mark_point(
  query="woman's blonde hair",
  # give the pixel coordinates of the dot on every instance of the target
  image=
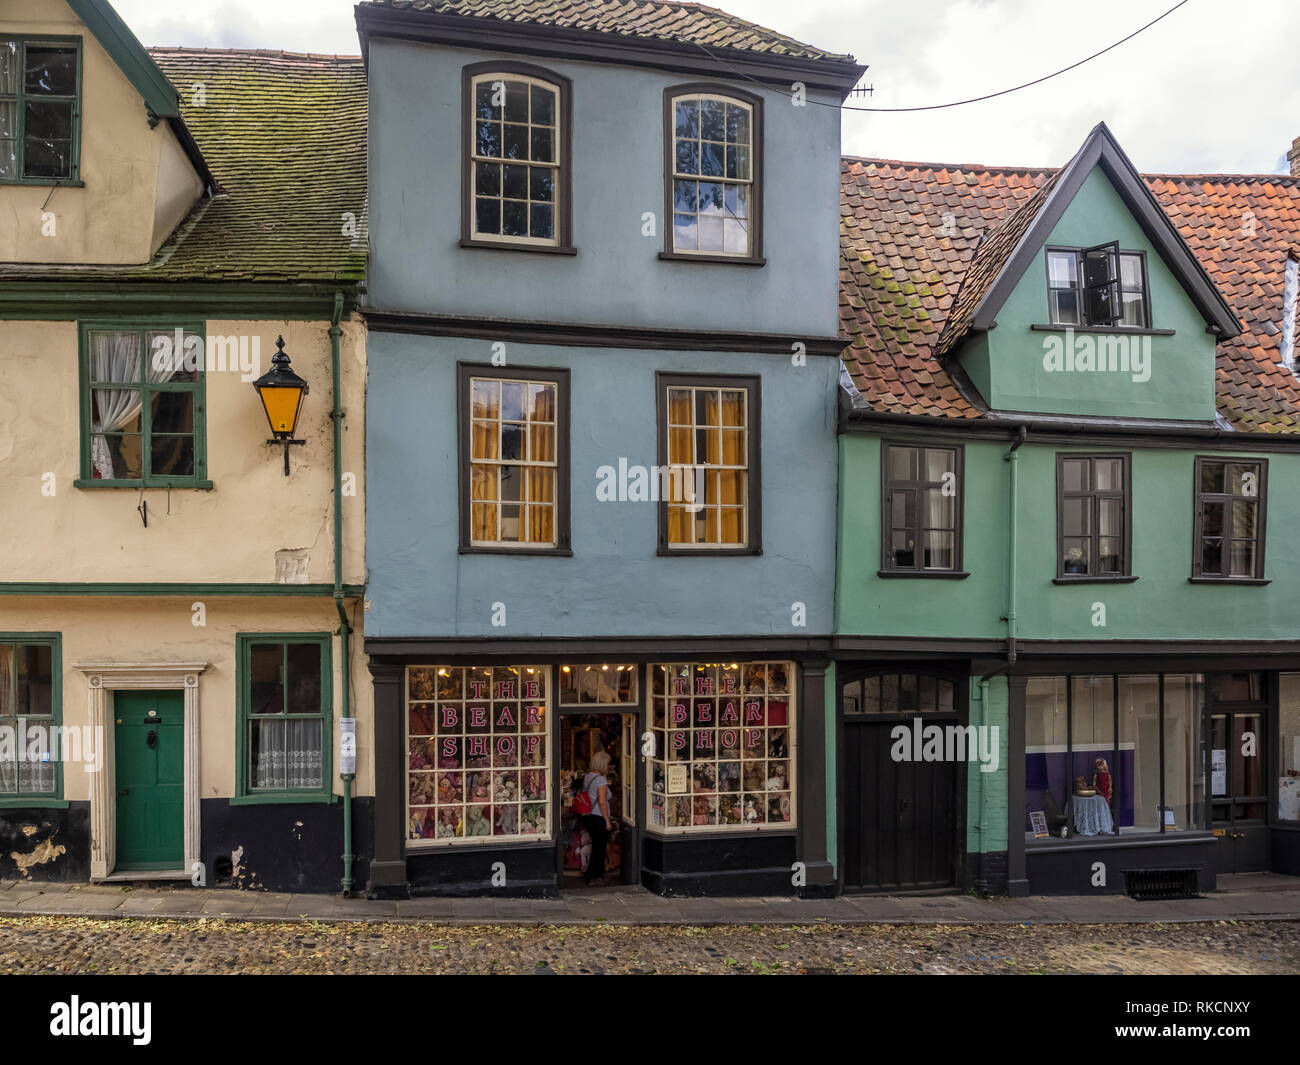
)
(599, 763)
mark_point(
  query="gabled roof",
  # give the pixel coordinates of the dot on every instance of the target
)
(1001, 261)
(902, 272)
(286, 137)
(670, 21)
(125, 49)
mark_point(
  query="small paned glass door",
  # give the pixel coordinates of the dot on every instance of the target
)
(149, 747)
(1238, 783)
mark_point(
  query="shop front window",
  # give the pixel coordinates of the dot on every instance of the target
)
(723, 753)
(1110, 755)
(1288, 777)
(477, 754)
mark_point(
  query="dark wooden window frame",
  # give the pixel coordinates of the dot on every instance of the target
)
(709, 88)
(1081, 291)
(564, 180)
(753, 453)
(1126, 537)
(53, 41)
(887, 567)
(559, 376)
(1261, 520)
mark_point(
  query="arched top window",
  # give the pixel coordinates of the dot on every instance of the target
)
(713, 140)
(516, 157)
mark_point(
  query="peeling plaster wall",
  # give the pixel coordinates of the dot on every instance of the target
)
(231, 533)
(45, 844)
(133, 184)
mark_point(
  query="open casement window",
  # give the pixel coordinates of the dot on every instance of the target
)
(1230, 516)
(1098, 287)
(712, 152)
(30, 711)
(40, 109)
(514, 459)
(142, 406)
(921, 509)
(516, 157)
(1093, 505)
(708, 464)
(285, 700)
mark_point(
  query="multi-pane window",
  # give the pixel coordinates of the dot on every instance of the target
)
(515, 159)
(1099, 286)
(922, 509)
(477, 753)
(1093, 508)
(1112, 755)
(709, 445)
(39, 112)
(286, 698)
(29, 719)
(514, 471)
(723, 752)
(713, 164)
(142, 406)
(1229, 518)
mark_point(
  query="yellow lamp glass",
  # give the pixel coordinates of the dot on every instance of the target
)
(281, 407)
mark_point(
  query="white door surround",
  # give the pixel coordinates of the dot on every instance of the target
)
(157, 676)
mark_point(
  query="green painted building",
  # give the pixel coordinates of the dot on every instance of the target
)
(1067, 617)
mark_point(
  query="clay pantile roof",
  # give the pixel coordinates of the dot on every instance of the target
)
(285, 137)
(688, 23)
(912, 260)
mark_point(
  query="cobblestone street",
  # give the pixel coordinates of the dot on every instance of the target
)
(71, 945)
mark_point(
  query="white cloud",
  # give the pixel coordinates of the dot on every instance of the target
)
(1213, 87)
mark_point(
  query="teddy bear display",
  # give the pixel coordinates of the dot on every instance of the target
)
(754, 776)
(507, 820)
(729, 776)
(534, 819)
(448, 788)
(777, 745)
(706, 777)
(776, 776)
(1101, 779)
(476, 822)
(422, 789)
(729, 810)
(752, 816)
(506, 788)
(448, 824)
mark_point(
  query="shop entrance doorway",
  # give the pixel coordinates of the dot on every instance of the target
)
(1238, 782)
(582, 737)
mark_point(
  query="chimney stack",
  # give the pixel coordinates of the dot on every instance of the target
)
(1294, 156)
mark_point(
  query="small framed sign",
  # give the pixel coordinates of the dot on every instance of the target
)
(1038, 820)
(679, 779)
(1165, 816)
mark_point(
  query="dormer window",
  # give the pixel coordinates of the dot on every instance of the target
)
(713, 182)
(516, 158)
(1097, 287)
(39, 112)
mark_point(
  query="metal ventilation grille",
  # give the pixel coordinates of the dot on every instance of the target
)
(1161, 883)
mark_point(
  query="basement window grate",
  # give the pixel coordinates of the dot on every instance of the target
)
(1161, 883)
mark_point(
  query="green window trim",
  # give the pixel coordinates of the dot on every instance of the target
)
(197, 388)
(53, 640)
(18, 97)
(245, 793)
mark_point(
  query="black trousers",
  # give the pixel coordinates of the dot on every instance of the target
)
(595, 826)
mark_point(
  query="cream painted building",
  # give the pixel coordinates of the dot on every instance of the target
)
(180, 622)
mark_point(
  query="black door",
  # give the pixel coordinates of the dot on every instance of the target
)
(1238, 781)
(903, 817)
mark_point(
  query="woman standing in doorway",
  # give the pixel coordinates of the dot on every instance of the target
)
(598, 823)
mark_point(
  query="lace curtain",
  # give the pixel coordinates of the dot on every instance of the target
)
(288, 755)
(115, 359)
(8, 109)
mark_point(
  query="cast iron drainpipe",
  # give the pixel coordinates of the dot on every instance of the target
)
(1013, 458)
(345, 630)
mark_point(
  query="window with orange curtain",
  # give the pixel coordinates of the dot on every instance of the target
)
(707, 449)
(513, 461)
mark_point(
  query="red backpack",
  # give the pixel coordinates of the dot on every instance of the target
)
(581, 797)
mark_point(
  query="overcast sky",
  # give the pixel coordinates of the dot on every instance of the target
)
(1215, 87)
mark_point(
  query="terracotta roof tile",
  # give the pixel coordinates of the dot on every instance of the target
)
(1241, 228)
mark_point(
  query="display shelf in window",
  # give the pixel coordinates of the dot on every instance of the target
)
(723, 753)
(478, 766)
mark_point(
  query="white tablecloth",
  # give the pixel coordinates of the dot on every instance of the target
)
(1091, 815)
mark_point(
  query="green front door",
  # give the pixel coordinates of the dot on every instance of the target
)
(149, 742)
